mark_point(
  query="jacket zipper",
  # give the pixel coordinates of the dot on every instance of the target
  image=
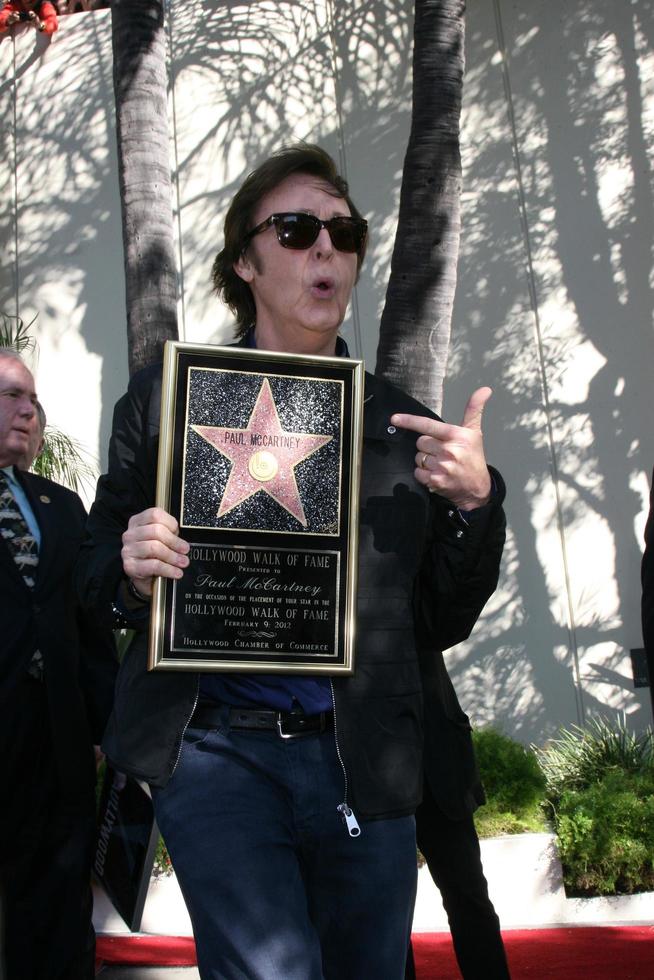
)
(347, 815)
(188, 722)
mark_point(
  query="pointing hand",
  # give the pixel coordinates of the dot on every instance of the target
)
(450, 459)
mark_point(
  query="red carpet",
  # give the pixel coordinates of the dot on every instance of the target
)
(145, 950)
(580, 953)
(598, 953)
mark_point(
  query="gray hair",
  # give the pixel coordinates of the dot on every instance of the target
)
(13, 354)
(40, 411)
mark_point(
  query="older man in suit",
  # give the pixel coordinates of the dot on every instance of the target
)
(56, 687)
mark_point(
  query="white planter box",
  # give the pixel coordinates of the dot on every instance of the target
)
(524, 880)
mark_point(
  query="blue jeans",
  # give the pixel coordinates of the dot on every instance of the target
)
(275, 886)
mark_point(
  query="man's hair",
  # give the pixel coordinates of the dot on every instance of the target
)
(301, 158)
(14, 355)
(40, 411)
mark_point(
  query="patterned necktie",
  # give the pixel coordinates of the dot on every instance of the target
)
(22, 547)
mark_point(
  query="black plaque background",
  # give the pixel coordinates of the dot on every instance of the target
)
(257, 615)
(327, 535)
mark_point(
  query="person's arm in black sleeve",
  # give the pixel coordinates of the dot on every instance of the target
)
(98, 670)
(464, 543)
(97, 663)
(127, 489)
(460, 568)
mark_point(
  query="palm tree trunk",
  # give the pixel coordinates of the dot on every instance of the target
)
(415, 325)
(140, 87)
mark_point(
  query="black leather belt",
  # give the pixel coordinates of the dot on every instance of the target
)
(287, 724)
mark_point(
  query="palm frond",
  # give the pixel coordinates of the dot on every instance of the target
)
(64, 460)
(14, 333)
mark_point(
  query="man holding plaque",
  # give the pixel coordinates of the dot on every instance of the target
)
(287, 801)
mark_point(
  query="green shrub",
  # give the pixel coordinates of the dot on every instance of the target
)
(162, 863)
(579, 757)
(600, 790)
(514, 785)
(606, 835)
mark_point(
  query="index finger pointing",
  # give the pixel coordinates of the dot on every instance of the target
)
(421, 424)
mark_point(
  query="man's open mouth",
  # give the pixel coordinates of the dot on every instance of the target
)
(323, 286)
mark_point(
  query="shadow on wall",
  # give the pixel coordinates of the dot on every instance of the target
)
(555, 295)
(246, 78)
(249, 77)
(63, 234)
(261, 75)
(264, 75)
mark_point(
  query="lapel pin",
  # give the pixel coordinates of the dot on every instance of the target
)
(44, 498)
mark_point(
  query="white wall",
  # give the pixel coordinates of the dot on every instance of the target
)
(554, 306)
(60, 234)
(554, 309)
(259, 75)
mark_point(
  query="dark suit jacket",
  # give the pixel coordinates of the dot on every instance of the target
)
(79, 657)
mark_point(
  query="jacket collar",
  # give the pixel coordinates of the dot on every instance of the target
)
(376, 415)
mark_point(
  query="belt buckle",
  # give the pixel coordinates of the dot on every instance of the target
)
(289, 735)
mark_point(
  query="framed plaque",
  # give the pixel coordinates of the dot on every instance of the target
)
(259, 459)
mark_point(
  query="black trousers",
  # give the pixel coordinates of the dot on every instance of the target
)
(46, 849)
(451, 849)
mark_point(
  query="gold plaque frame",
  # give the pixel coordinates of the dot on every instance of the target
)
(259, 462)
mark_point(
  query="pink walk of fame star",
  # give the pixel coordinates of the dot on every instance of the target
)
(264, 456)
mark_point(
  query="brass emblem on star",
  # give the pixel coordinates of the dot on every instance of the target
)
(263, 466)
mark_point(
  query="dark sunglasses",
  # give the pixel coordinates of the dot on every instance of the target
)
(298, 230)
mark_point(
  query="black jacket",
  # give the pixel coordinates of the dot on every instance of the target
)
(78, 655)
(424, 576)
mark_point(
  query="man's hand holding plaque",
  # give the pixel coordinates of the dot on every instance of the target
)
(152, 546)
